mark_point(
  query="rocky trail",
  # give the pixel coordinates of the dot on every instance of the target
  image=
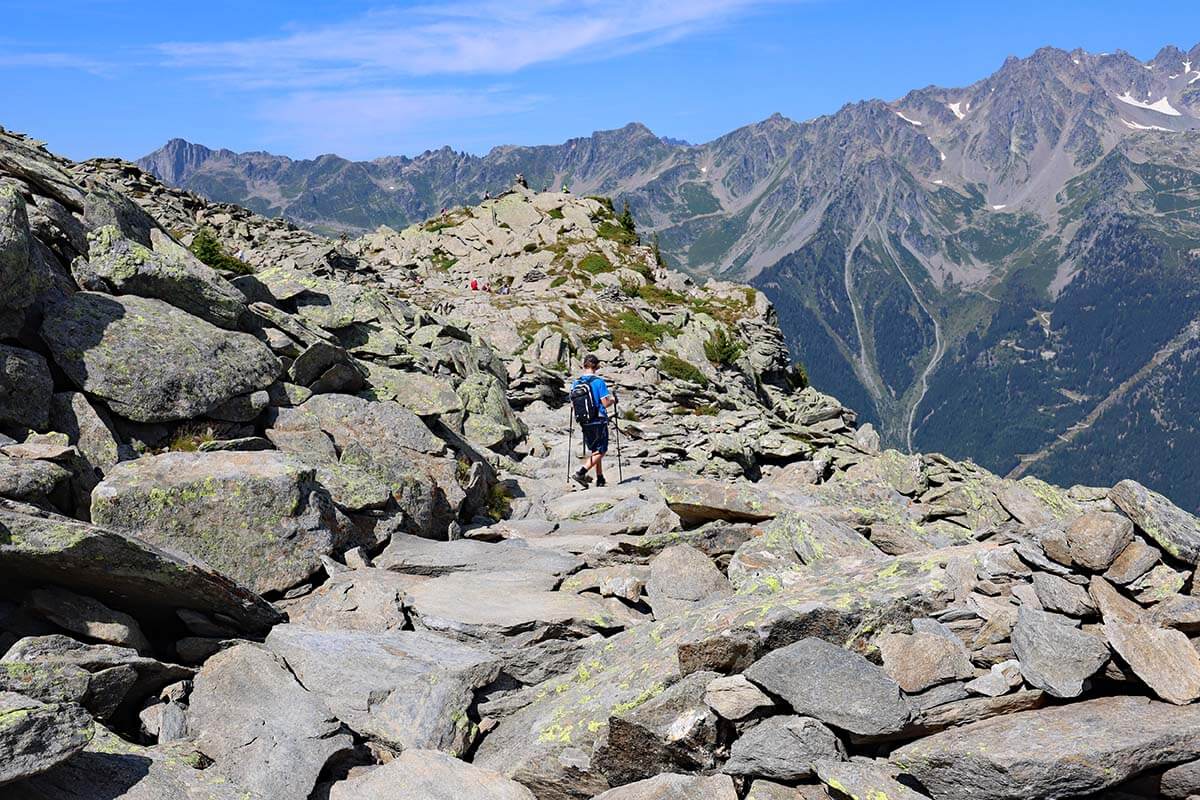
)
(292, 521)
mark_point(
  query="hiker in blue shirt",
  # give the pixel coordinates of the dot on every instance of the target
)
(591, 409)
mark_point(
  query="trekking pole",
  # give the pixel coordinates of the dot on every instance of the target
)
(570, 432)
(617, 427)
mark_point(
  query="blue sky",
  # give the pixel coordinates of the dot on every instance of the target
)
(114, 77)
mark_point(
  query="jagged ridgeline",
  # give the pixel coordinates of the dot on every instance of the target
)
(1005, 271)
(285, 517)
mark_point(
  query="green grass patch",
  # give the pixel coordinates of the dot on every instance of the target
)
(676, 367)
(595, 263)
(208, 249)
(722, 349)
(555, 213)
(557, 282)
(630, 330)
(615, 232)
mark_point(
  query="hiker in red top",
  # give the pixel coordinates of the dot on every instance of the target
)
(474, 285)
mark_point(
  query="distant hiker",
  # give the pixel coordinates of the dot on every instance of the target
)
(487, 195)
(520, 181)
(591, 400)
(504, 289)
(474, 285)
(566, 189)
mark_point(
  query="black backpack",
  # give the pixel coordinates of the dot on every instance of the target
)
(583, 401)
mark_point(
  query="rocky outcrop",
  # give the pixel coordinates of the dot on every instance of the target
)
(761, 602)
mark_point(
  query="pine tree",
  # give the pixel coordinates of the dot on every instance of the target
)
(658, 256)
(626, 219)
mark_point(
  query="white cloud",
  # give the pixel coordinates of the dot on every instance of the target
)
(463, 37)
(369, 122)
(55, 60)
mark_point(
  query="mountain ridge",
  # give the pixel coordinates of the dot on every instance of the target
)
(913, 246)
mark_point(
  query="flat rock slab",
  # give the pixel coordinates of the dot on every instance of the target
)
(1175, 530)
(1052, 753)
(1054, 654)
(868, 781)
(356, 600)
(838, 687)
(734, 698)
(682, 577)
(674, 787)
(87, 616)
(410, 689)
(120, 568)
(704, 500)
(922, 659)
(262, 729)
(35, 736)
(783, 748)
(1164, 659)
(259, 517)
(429, 775)
(117, 674)
(150, 361)
(418, 556)
(111, 768)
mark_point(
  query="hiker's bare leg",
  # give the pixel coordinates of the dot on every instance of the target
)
(599, 465)
(594, 461)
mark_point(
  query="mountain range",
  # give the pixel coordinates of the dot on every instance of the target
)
(1007, 271)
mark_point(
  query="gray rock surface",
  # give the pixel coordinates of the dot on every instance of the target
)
(429, 775)
(921, 660)
(260, 517)
(25, 387)
(115, 567)
(169, 272)
(262, 729)
(151, 362)
(35, 737)
(734, 698)
(1054, 654)
(89, 617)
(1164, 659)
(409, 689)
(1052, 753)
(1176, 531)
(840, 688)
(783, 748)
(681, 577)
(674, 787)
(857, 779)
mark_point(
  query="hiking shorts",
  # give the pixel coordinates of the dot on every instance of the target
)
(595, 436)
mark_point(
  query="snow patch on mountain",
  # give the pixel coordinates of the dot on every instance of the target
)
(956, 109)
(1162, 106)
(909, 120)
(1138, 127)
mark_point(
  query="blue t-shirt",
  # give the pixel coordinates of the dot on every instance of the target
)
(599, 391)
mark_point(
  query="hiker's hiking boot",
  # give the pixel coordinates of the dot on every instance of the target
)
(582, 478)
(600, 482)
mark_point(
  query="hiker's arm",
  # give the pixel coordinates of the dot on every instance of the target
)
(608, 401)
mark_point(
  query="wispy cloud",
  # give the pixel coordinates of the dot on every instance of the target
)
(55, 60)
(359, 84)
(371, 121)
(467, 37)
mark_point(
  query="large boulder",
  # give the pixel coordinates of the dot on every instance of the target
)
(262, 729)
(88, 427)
(429, 775)
(1175, 530)
(259, 517)
(840, 688)
(1164, 659)
(110, 767)
(25, 388)
(393, 444)
(17, 284)
(490, 420)
(674, 787)
(673, 732)
(409, 689)
(35, 737)
(123, 571)
(783, 748)
(1052, 753)
(88, 617)
(356, 600)
(682, 577)
(150, 361)
(168, 272)
(1055, 655)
